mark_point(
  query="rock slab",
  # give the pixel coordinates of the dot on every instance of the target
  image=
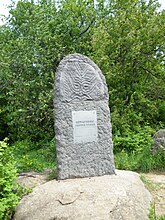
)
(82, 120)
(110, 197)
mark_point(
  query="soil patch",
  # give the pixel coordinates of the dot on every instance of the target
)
(156, 180)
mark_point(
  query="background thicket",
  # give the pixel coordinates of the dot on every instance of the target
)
(124, 38)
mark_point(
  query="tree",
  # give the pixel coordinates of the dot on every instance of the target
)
(125, 39)
(130, 43)
(34, 40)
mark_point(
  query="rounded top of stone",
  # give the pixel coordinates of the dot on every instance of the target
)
(80, 79)
(160, 134)
(76, 56)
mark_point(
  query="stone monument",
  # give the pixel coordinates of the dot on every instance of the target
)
(82, 120)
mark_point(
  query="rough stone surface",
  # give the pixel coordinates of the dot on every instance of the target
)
(159, 141)
(80, 86)
(33, 179)
(110, 197)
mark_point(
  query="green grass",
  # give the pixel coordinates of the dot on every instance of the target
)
(152, 215)
(42, 155)
(151, 186)
(143, 161)
(30, 157)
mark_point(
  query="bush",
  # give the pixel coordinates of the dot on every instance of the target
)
(126, 161)
(133, 151)
(133, 140)
(158, 160)
(161, 109)
(32, 156)
(8, 187)
(143, 161)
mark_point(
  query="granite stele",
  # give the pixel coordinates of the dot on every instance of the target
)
(82, 120)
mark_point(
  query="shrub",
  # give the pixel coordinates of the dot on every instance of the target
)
(134, 140)
(32, 156)
(143, 160)
(8, 187)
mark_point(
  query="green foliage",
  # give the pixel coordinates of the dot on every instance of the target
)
(126, 161)
(128, 42)
(53, 174)
(152, 215)
(8, 196)
(161, 109)
(125, 39)
(158, 160)
(3, 119)
(151, 186)
(30, 157)
(143, 160)
(34, 40)
(133, 141)
(133, 151)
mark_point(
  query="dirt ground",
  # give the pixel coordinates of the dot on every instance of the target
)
(156, 186)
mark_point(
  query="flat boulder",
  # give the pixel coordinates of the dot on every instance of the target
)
(121, 196)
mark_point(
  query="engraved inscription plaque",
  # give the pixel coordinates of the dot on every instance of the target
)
(84, 126)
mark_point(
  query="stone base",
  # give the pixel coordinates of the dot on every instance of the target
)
(122, 196)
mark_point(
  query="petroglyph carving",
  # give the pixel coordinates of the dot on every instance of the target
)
(79, 82)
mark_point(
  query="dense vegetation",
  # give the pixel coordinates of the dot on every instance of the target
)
(8, 198)
(126, 40)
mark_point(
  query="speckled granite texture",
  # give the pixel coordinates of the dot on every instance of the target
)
(81, 86)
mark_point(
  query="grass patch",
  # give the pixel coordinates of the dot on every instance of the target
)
(31, 157)
(53, 174)
(151, 186)
(140, 161)
(152, 214)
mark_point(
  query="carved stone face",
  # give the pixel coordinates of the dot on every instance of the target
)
(80, 82)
